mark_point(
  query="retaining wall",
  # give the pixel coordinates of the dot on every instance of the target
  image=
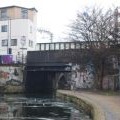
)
(92, 109)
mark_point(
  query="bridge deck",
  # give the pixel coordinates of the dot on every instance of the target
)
(48, 70)
(53, 67)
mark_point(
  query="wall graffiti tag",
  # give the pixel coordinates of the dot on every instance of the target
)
(4, 75)
(11, 78)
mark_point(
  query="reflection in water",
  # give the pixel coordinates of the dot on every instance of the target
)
(32, 108)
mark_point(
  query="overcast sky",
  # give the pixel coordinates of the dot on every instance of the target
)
(55, 15)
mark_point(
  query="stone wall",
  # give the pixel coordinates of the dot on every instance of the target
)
(11, 79)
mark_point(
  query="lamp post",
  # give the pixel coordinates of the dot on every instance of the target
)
(9, 50)
(23, 42)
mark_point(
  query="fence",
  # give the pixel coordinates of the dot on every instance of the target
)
(12, 59)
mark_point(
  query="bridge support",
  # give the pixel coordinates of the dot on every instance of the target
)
(39, 82)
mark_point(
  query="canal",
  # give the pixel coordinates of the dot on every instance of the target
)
(27, 107)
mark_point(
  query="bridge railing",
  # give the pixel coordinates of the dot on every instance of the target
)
(74, 45)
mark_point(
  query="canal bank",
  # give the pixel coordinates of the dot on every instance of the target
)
(101, 107)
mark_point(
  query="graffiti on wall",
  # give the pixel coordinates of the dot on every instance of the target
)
(82, 77)
(111, 80)
(4, 75)
(11, 77)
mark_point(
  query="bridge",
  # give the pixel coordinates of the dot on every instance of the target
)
(49, 67)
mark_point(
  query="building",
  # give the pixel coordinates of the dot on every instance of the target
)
(18, 27)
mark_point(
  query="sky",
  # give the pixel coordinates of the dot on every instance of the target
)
(56, 15)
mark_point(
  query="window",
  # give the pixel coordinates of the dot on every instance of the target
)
(23, 40)
(3, 14)
(30, 43)
(4, 28)
(24, 13)
(13, 42)
(5, 42)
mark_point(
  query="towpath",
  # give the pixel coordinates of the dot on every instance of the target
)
(109, 104)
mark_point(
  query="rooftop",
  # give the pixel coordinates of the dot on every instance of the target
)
(19, 7)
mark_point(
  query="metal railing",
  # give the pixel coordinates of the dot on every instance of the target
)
(75, 45)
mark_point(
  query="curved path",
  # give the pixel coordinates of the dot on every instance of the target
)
(110, 105)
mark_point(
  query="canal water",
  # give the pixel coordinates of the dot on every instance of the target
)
(22, 107)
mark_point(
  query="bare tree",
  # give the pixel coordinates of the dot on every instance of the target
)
(95, 26)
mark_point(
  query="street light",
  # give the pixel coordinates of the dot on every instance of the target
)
(9, 49)
(23, 42)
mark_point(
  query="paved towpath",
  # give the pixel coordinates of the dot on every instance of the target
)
(109, 104)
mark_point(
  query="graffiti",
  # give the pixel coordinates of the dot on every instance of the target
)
(11, 78)
(4, 75)
(10, 73)
(14, 82)
(16, 72)
(82, 77)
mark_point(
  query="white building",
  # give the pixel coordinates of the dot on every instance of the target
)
(18, 27)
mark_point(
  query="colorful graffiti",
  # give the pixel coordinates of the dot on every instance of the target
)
(4, 75)
(11, 78)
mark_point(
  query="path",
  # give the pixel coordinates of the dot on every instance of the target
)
(110, 104)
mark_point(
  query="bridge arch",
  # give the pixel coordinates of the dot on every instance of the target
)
(62, 81)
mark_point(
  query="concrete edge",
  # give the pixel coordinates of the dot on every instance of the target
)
(87, 104)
